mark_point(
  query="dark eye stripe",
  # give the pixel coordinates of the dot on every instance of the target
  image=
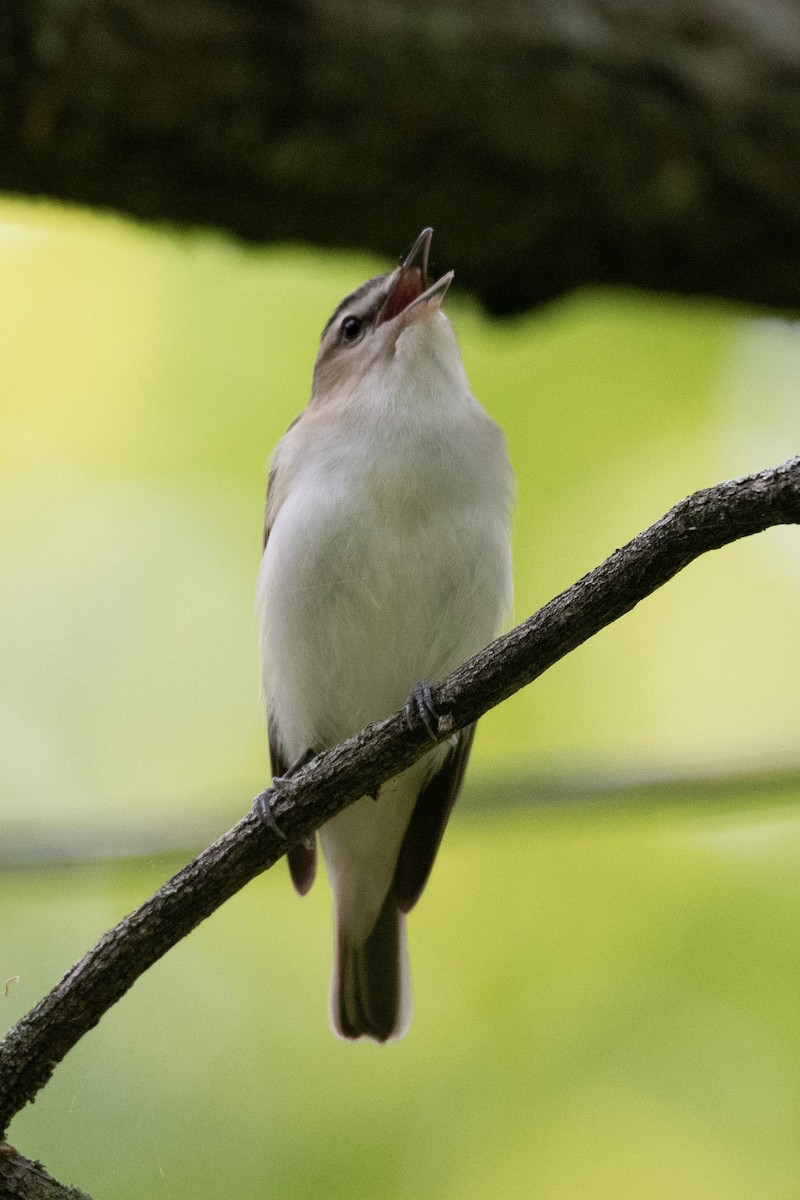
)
(366, 299)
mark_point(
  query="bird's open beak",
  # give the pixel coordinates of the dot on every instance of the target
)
(412, 293)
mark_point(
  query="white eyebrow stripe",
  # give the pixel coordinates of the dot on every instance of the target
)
(378, 285)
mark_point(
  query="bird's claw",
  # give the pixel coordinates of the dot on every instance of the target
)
(262, 806)
(420, 710)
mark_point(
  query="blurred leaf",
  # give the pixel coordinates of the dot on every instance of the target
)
(605, 1007)
(147, 377)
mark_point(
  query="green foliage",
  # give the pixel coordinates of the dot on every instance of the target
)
(606, 1004)
(605, 1007)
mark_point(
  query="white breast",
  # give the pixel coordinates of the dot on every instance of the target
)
(388, 561)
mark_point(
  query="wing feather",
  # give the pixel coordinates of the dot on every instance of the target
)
(302, 858)
(428, 821)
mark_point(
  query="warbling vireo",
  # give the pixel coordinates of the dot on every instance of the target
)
(386, 563)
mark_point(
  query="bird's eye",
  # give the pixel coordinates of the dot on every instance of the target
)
(351, 327)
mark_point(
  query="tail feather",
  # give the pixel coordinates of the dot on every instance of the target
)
(371, 988)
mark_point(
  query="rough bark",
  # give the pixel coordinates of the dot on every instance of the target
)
(22, 1179)
(704, 521)
(552, 143)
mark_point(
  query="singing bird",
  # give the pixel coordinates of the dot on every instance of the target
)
(386, 564)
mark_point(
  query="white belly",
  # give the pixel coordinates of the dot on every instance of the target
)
(387, 563)
(364, 593)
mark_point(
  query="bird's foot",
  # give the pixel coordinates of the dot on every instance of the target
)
(264, 801)
(420, 710)
(262, 807)
(302, 761)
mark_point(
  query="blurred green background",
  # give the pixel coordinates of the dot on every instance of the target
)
(606, 994)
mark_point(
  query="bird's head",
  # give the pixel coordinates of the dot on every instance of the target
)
(372, 327)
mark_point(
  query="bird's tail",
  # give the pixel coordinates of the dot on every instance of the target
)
(371, 986)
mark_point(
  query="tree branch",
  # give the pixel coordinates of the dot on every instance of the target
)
(22, 1179)
(704, 521)
(552, 143)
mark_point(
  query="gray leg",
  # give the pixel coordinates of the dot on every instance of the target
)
(262, 805)
(420, 710)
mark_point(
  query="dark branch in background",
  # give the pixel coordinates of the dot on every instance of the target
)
(78, 844)
(704, 521)
(552, 143)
